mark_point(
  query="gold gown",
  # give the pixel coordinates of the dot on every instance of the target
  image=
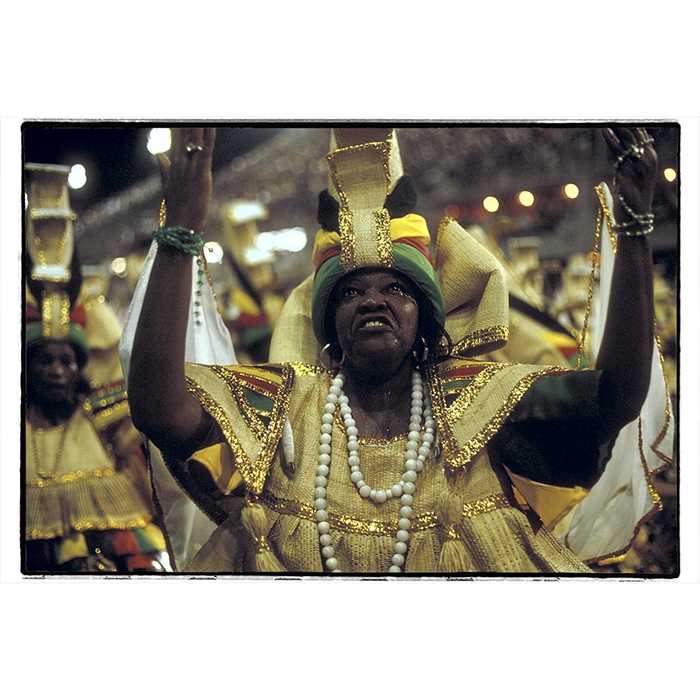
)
(461, 497)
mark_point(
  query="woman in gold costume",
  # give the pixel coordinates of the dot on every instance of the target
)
(402, 455)
(87, 497)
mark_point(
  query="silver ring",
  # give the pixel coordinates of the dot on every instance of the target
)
(191, 148)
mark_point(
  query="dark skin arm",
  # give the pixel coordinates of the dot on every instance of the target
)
(161, 406)
(627, 346)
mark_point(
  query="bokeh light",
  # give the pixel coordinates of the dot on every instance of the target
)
(158, 141)
(77, 176)
(571, 190)
(491, 204)
(527, 199)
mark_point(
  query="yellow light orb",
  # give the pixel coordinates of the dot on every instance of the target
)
(527, 199)
(571, 190)
(491, 204)
(670, 174)
(119, 267)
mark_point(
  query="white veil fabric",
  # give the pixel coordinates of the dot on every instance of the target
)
(606, 521)
(187, 528)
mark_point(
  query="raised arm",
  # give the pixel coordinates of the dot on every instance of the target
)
(160, 404)
(626, 349)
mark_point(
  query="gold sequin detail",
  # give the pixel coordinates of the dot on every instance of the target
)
(456, 458)
(347, 239)
(254, 475)
(600, 191)
(485, 505)
(79, 475)
(667, 414)
(427, 520)
(656, 505)
(595, 258)
(64, 314)
(82, 525)
(162, 214)
(303, 369)
(467, 395)
(369, 441)
(46, 316)
(385, 248)
(477, 339)
(384, 148)
(241, 460)
(237, 389)
(111, 414)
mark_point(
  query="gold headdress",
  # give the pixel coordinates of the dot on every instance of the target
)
(49, 231)
(465, 285)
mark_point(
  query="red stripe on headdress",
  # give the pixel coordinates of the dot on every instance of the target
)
(78, 316)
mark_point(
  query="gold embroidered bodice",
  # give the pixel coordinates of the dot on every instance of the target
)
(469, 504)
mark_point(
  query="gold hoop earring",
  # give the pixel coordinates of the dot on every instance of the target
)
(420, 355)
(327, 357)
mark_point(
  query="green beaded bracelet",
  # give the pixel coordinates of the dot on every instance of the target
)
(181, 238)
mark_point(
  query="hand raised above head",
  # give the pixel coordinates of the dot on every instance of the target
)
(187, 176)
(635, 171)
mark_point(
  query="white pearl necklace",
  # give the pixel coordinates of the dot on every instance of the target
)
(414, 461)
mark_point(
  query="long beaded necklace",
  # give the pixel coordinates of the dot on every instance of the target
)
(414, 461)
(43, 473)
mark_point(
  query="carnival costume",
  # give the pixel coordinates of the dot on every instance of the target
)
(496, 454)
(87, 500)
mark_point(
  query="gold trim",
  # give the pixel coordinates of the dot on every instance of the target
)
(241, 459)
(667, 461)
(83, 525)
(236, 387)
(384, 148)
(485, 505)
(369, 441)
(385, 248)
(109, 415)
(305, 369)
(485, 336)
(467, 395)
(79, 475)
(347, 239)
(254, 474)
(456, 458)
(274, 430)
(656, 506)
(427, 520)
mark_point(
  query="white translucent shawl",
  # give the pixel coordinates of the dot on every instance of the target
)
(606, 521)
(186, 527)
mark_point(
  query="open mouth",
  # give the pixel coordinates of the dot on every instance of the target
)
(374, 323)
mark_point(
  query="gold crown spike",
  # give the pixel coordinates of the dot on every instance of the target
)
(364, 166)
(49, 222)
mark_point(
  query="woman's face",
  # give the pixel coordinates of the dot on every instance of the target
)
(52, 371)
(376, 319)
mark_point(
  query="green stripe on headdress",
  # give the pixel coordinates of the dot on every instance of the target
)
(407, 260)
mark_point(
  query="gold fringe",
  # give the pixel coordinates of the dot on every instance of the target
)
(97, 500)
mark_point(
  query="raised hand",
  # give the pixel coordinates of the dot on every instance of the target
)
(187, 177)
(635, 172)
